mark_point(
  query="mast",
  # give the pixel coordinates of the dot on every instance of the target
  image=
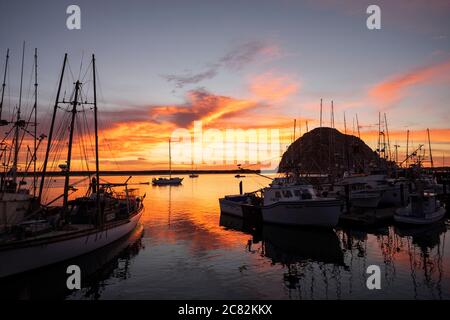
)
(429, 147)
(295, 125)
(379, 134)
(16, 126)
(69, 151)
(170, 161)
(407, 147)
(346, 144)
(357, 125)
(321, 112)
(97, 165)
(50, 135)
(4, 84)
(332, 114)
(387, 133)
(35, 122)
(396, 146)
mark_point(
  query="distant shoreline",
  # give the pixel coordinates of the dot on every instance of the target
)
(143, 172)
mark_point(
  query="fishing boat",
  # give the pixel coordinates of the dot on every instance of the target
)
(55, 233)
(233, 204)
(424, 208)
(16, 198)
(292, 201)
(373, 190)
(170, 181)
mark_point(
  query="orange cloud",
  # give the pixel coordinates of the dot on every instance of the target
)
(272, 87)
(393, 89)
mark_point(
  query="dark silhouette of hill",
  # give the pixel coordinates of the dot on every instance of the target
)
(326, 150)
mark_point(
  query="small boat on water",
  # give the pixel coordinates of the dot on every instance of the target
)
(239, 176)
(233, 204)
(170, 181)
(424, 208)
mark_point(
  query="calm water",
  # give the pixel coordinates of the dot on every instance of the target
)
(184, 249)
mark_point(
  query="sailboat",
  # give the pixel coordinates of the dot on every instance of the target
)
(172, 181)
(193, 175)
(52, 234)
(15, 198)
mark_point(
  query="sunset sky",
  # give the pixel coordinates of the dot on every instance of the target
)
(238, 65)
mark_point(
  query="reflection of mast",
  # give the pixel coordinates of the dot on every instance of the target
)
(170, 205)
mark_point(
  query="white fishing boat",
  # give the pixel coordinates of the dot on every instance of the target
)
(424, 208)
(293, 203)
(374, 190)
(168, 181)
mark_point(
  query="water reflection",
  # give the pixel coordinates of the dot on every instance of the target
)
(194, 252)
(318, 263)
(110, 262)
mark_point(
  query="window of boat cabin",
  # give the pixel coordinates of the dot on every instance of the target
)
(277, 194)
(306, 194)
(287, 194)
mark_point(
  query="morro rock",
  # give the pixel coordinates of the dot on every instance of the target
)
(326, 150)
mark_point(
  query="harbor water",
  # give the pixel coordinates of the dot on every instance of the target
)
(185, 249)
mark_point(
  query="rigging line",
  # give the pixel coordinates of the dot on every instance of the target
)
(82, 146)
(81, 64)
(86, 72)
(88, 135)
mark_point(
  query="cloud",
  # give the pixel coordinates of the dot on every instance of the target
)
(186, 79)
(273, 87)
(200, 105)
(393, 89)
(234, 60)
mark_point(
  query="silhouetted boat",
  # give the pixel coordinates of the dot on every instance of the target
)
(52, 234)
(170, 181)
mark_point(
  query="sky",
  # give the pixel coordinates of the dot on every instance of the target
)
(249, 65)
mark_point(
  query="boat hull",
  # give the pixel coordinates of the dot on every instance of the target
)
(231, 207)
(365, 200)
(307, 213)
(401, 216)
(167, 182)
(38, 253)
